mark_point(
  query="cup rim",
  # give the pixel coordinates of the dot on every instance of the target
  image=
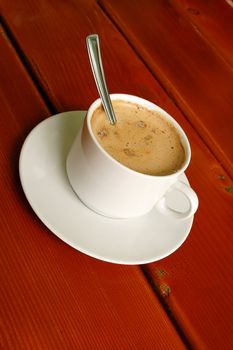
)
(149, 105)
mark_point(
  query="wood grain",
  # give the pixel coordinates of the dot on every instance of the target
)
(214, 21)
(187, 66)
(52, 296)
(200, 271)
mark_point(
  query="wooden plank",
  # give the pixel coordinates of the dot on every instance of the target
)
(195, 283)
(188, 67)
(210, 242)
(214, 20)
(51, 296)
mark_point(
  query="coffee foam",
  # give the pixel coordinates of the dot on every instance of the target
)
(142, 139)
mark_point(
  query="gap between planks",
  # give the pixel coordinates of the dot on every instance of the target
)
(27, 66)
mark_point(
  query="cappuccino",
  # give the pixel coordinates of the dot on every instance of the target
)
(142, 139)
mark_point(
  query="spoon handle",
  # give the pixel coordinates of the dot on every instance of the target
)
(93, 48)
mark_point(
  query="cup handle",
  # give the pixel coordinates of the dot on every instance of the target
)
(188, 193)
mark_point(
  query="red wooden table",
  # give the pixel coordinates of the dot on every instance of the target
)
(177, 54)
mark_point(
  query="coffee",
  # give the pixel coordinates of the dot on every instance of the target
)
(142, 139)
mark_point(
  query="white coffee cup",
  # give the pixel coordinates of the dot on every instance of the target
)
(113, 190)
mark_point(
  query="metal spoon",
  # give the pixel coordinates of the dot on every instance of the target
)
(93, 48)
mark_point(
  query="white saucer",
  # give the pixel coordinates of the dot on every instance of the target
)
(43, 176)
